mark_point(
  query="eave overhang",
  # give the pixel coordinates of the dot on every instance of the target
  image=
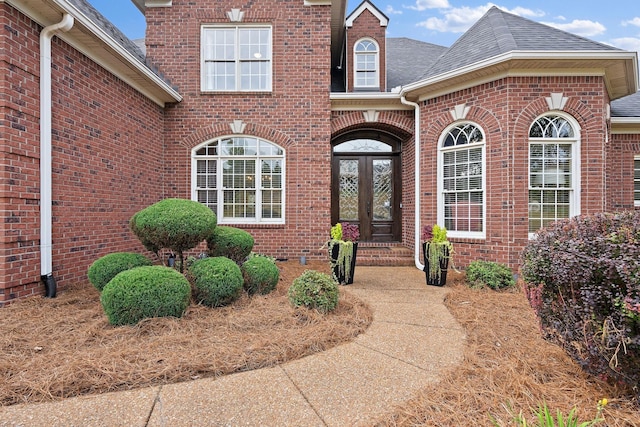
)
(619, 69)
(363, 101)
(625, 125)
(95, 43)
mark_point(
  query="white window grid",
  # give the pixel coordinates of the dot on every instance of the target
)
(241, 179)
(236, 58)
(636, 180)
(461, 181)
(367, 62)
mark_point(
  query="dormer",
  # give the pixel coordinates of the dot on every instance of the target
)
(366, 29)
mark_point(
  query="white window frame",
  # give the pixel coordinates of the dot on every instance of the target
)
(356, 70)
(574, 190)
(636, 181)
(236, 60)
(220, 189)
(440, 185)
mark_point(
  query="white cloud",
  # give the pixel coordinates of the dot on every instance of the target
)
(581, 27)
(460, 19)
(391, 11)
(429, 4)
(627, 43)
(635, 21)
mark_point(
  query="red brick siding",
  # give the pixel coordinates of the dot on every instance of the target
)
(107, 160)
(366, 25)
(619, 184)
(294, 115)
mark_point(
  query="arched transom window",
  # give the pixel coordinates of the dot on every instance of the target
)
(461, 202)
(241, 179)
(553, 171)
(366, 64)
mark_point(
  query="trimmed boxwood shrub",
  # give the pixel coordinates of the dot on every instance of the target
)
(260, 275)
(230, 242)
(145, 292)
(316, 290)
(217, 281)
(175, 224)
(489, 274)
(107, 267)
(583, 280)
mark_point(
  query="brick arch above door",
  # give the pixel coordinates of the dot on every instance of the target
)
(400, 123)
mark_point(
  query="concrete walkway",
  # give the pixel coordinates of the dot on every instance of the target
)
(412, 338)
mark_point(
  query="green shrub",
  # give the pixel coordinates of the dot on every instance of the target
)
(583, 280)
(314, 290)
(106, 268)
(489, 274)
(175, 224)
(230, 242)
(145, 292)
(217, 281)
(260, 275)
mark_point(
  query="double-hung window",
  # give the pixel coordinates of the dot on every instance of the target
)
(241, 179)
(236, 58)
(461, 181)
(553, 170)
(366, 64)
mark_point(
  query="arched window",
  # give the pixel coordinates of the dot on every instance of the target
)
(240, 178)
(553, 170)
(367, 63)
(461, 202)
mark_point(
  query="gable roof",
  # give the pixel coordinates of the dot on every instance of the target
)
(407, 59)
(367, 5)
(499, 32)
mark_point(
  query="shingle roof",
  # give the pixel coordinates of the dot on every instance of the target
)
(629, 106)
(97, 18)
(499, 32)
(408, 60)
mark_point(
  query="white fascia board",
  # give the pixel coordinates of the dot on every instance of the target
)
(99, 32)
(384, 21)
(351, 101)
(525, 55)
(318, 2)
(625, 125)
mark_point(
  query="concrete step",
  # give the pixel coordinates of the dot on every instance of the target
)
(389, 254)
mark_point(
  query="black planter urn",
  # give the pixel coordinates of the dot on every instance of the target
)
(343, 269)
(436, 279)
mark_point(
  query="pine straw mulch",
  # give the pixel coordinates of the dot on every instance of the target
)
(507, 368)
(57, 348)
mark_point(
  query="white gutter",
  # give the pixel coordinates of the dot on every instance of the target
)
(416, 142)
(46, 264)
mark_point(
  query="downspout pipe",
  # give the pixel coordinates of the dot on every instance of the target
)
(416, 139)
(46, 189)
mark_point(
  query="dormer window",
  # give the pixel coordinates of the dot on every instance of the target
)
(367, 64)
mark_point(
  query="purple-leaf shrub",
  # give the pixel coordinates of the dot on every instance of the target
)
(582, 277)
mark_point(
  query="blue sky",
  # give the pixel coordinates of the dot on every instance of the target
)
(442, 21)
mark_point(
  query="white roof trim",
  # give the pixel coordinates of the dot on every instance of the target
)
(384, 21)
(514, 55)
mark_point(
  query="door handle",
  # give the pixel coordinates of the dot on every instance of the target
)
(369, 209)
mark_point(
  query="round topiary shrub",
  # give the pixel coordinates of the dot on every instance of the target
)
(230, 242)
(175, 224)
(260, 275)
(106, 268)
(490, 274)
(145, 292)
(217, 281)
(314, 290)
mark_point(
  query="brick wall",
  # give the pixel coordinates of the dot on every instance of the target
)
(107, 160)
(294, 115)
(366, 25)
(619, 184)
(505, 109)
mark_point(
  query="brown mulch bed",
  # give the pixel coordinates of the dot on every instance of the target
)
(507, 368)
(57, 348)
(62, 347)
